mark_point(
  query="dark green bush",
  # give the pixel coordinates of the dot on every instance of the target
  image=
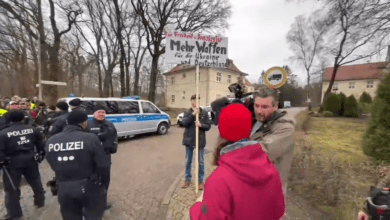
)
(342, 98)
(328, 114)
(376, 140)
(365, 98)
(333, 104)
(351, 107)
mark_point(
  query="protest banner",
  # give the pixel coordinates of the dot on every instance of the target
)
(202, 50)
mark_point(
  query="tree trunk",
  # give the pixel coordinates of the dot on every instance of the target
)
(111, 87)
(328, 90)
(106, 84)
(128, 91)
(136, 80)
(122, 48)
(81, 83)
(153, 78)
(100, 80)
(55, 71)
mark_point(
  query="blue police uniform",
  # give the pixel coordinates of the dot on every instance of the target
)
(19, 144)
(77, 158)
(58, 124)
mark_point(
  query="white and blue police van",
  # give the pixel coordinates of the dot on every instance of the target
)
(130, 115)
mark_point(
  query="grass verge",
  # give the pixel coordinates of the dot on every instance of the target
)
(329, 167)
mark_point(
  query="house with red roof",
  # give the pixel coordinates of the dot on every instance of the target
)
(355, 79)
(213, 84)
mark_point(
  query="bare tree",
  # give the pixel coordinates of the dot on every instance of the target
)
(184, 15)
(354, 24)
(71, 10)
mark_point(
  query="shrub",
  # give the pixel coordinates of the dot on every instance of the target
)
(351, 107)
(376, 140)
(364, 108)
(365, 98)
(328, 114)
(342, 98)
(333, 104)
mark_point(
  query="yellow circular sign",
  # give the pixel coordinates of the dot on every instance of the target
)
(275, 77)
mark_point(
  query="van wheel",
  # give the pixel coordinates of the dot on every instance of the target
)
(162, 128)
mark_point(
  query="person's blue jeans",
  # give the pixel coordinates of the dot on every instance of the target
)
(189, 155)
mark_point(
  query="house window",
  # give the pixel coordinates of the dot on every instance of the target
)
(370, 84)
(219, 76)
(351, 85)
(173, 80)
(184, 94)
(335, 86)
(229, 79)
(184, 75)
(173, 98)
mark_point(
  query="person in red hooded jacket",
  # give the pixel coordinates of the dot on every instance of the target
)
(245, 185)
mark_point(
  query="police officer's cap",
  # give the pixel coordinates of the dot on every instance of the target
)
(62, 105)
(16, 116)
(76, 117)
(98, 107)
(75, 102)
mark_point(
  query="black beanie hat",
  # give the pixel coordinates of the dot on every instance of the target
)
(98, 107)
(75, 102)
(62, 105)
(16, 116)
(77, 117)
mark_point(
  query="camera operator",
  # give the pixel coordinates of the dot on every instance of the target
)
(383, 184)
(274, 131)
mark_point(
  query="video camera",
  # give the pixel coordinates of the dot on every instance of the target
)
(240, 97)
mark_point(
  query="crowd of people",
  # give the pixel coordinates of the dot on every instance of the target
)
(77, 149)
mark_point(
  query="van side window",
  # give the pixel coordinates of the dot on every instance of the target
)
(112, 107)
(109, 106)
(126, 107)
(88, 106)
(149, 108)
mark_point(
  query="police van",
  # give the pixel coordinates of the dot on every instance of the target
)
(130, 115)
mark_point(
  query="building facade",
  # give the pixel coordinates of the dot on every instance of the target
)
(213, 84)
(356, 79)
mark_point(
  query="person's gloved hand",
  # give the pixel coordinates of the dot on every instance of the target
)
(362, 216)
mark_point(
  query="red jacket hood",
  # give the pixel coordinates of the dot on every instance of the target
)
(247, 161)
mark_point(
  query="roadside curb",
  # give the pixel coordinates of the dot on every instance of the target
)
(163, 211)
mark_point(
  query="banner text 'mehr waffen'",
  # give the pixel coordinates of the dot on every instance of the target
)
(184, 48)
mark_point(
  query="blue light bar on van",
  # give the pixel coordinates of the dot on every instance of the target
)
(131, 97)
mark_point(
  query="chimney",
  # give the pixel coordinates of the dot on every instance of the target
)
(388, 54)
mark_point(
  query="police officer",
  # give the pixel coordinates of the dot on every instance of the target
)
(74, 104)
(59, 122)
(77, 158)
(17, 143)
(107, 134)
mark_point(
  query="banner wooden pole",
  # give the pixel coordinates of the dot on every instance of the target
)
(197, 133)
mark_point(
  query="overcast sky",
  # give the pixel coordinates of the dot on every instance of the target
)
(257, 34)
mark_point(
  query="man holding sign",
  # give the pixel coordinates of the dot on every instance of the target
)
(189, 139)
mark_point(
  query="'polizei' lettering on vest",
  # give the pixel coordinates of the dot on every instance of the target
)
(22, 132)
(95, 129)
(69, 146)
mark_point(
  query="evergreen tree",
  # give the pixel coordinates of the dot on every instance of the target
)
(376, 140)
(351, 107)
(365, 98)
